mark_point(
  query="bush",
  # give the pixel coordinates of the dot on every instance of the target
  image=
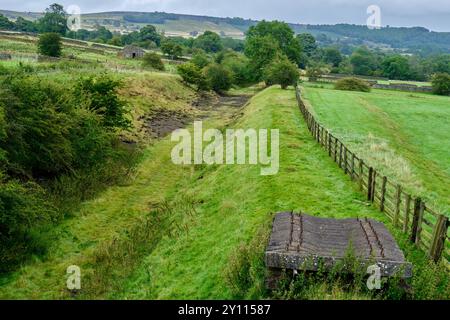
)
(23, 211)
(50, 44)
(282, 72)
(219, 78)
(200, 59)
(100, 95)
(153, 60)
(193, 75)
(352, 84)
(441, 84)
(239, 65)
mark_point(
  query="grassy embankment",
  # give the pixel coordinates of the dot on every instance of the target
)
(196, 218)
(402, 134)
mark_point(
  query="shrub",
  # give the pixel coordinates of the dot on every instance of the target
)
(100, 95)
(219, 77)
(50, 44)
(193, 75)
(282, 72)
(239, 65)
(200, 59)
(441, 84)
(153, 60)
(23, 211)
(352, 84)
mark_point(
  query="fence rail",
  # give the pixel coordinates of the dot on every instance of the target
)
(423, 225)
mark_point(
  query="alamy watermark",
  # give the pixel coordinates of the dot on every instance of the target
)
(74, 278)
(74, 19)
(231, 147)
(374, 281)
(374, 20)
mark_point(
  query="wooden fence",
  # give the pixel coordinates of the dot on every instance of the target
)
(424, 226)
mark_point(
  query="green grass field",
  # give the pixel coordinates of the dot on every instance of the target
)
(403, 134)
(197, 217)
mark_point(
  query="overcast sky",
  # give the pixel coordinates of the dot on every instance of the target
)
(433, 14)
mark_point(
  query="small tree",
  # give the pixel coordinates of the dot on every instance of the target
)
(50, 44)
(441, 84)
(282, 72)
(193, 75)
(153, 60)
(172, 49)
(314, 72)
(219, 77)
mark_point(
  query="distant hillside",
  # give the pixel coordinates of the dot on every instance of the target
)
(409, 39)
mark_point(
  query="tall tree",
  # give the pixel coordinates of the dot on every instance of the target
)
(308, 43)
(54, 20)
(283, 36)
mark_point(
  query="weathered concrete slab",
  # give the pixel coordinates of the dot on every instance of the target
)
(300, 241)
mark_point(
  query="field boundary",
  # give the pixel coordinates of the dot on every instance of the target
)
(425, 227)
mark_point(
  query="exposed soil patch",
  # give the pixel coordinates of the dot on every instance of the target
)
(163, 122)
(208, 101)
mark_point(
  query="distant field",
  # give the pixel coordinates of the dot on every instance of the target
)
(403, 134)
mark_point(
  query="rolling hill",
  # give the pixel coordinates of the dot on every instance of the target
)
(417, 39)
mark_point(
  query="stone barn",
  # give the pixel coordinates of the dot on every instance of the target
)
(132, 52)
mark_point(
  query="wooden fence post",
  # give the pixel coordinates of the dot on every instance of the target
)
(329, 145)
(340, 155)
(370, 184)
(345, 160)
(383, 194)
(417, 221)
(374, 185)
(407, 209)
(361, 172)
(353, 166)
(438, 240)
(398, 199)
(335, 149)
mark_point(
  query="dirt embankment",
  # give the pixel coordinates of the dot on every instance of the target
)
(162, 122)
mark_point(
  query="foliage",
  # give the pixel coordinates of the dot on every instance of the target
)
(54, 20)
(23, 212)
(209, 42)
(200, 59)
(314, 71)
(239, 65)
(441, 84)
(5, 23)
(50, 44)
(332, 56)
(153, 60)
(99, 94)
(396, 67)
(149, 33)
(352, 84)
(220, 79)
(282, 72)
(364, 62)
(193, 75)
(261, 51)
(307, 43)
(171, 48)
(281, 34)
